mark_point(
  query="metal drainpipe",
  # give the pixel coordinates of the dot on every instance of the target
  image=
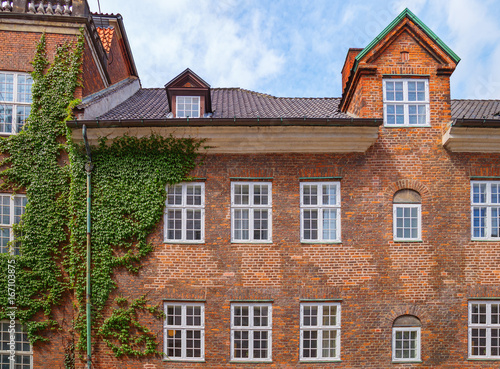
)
(88, 168)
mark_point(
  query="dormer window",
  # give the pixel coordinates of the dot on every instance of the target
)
(188, 96)
(187, 106)
(406, 102)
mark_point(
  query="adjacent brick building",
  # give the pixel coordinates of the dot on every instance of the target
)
(353, 232)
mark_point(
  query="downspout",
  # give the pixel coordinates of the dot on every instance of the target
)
(88, 168)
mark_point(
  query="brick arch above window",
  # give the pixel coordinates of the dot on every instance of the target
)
(420, 312)
(407, 184)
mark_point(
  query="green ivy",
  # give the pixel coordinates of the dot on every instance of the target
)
(33, 164)
(123, 332)
(129, 182)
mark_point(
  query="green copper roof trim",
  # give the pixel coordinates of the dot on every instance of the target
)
(399, 18)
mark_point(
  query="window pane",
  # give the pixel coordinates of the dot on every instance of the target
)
(329, 224)
(6, 118)
(310, 316)
(310, 224)
(261, 224)
(241, 194)
(310, 195)
(329, 194)
(260, 195)
(241, 224)
(479, 193)
(329, 344)
(6, 87)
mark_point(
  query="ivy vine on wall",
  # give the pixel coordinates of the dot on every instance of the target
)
(129, 180)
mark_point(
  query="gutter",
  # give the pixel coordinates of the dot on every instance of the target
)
(227, 122)
(476, 123)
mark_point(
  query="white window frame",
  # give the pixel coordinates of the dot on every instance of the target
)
(320, 328)
(406, 103)
(14, 103)
(14, 218)
(184, 207)
(252, 329)
(489, 208)
(184, 328)
(488, 326)
(191, 100)
(19, 354)
(395, 330)
(320, 208)
(251, 207)
(419, 222)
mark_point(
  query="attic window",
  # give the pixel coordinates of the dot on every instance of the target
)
(187, 107)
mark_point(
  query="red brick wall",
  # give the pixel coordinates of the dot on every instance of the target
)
(376, 278)
(17, 49)
(92, 80)
(118, 68)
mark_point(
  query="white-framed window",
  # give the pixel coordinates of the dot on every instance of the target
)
(12, 207)
(407, 216)
(485, 210)
(184, 331)
(251, 211)
(251, 332)
(319, 331)
(187, 106)
(406, 102)
(320, 211)
(185, 213)
(484, 330)
(406, 339)
(23, 354)
(15, 101)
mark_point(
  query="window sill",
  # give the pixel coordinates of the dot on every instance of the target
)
(302, 361)
(250, 361)
(184, 361)
(408, 126)
(497, 239)
(251, 242)
(405, 240)
(184, 242)
(321, 242)
(407, 361)
(483, 359)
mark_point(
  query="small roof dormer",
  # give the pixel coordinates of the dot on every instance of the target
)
(406, 48)
(188, 96)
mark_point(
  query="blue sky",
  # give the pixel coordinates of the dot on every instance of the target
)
(297, 48)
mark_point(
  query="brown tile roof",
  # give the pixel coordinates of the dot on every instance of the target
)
(106, 35)
(151, 103)
(475, 109)
(229, 103)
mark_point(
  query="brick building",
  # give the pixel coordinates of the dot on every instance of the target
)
(351, 232)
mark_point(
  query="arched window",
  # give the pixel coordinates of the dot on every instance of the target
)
(15, 349)
(406, 339)
(407, 210)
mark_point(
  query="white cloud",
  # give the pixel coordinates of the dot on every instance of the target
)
(293, 48)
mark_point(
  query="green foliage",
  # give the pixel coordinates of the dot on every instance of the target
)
(129, 179)
(129, 182)
(123, 332)
(32, 164)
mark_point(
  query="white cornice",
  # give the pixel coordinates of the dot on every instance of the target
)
(255, 140)
(472, 139)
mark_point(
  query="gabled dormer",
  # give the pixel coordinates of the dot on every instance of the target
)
(188, 96)
(402, 76)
